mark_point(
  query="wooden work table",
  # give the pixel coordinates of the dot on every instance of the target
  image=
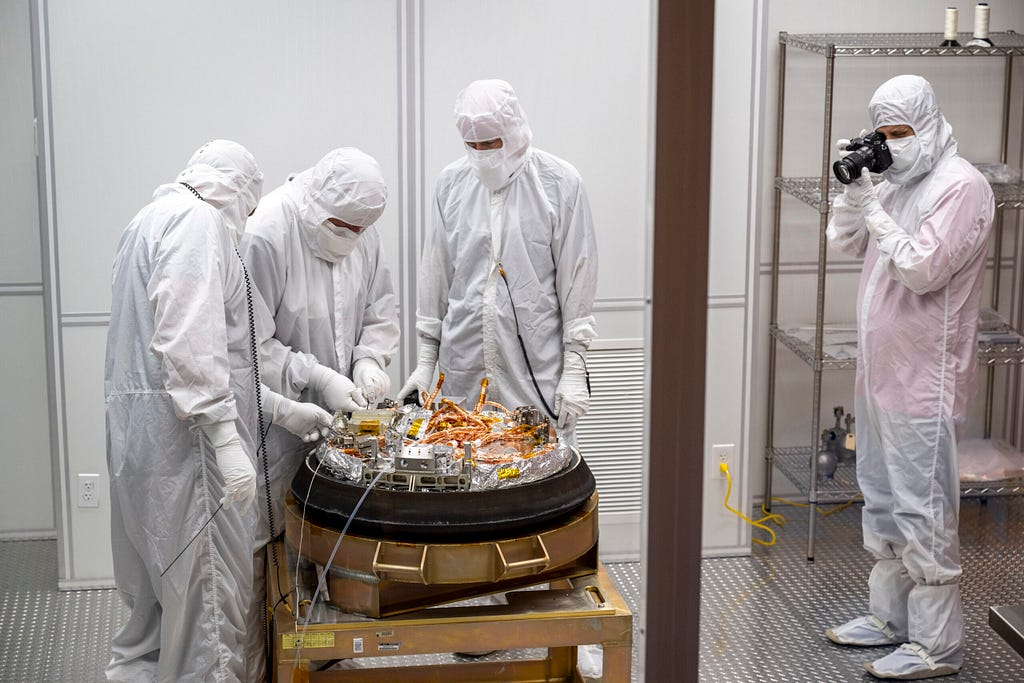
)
(585, 610)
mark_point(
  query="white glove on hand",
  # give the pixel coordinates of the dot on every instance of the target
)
(843, 143)
(883, 228)
(572, 398)
(421, 377)
(371, 378)
(307, 421)
(861, 192)
(338, 391)
(234, 464)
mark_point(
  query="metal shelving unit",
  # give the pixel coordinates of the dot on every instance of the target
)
(842, 487)
(818, 192)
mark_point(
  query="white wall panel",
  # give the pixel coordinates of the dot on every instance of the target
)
(734, 153)
(731, 149)
(722, 532)
(26, 497)
(620, 322)
(26, 500)
(138, 86)
(86, 448)
(135, 88)
(19, 257)
(581, 71)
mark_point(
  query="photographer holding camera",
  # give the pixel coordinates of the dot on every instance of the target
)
(922, 233)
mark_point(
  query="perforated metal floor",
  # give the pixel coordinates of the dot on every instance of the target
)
(48, 635)
(762, 617)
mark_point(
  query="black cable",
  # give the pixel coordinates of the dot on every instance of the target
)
(261, 449)
(522, 345)
(192, 190)
(193, 539)
(205, 524)
(330, 562)
(586, 370)
(261, 455)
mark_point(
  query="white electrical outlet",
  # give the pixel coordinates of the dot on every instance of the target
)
(723, 454)
(88, 490)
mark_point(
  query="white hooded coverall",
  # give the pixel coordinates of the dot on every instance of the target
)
(179, 357)
(536, 223)
(918, 307)
(328, 308)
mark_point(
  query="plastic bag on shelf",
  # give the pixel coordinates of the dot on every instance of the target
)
(999, 337)
(999, 174)
(991, 321)
(839, 340)
(989, 460)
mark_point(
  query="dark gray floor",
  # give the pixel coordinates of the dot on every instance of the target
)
(762, 616)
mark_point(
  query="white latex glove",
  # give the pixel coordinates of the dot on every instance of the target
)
(234, 464)
(572, 398)
(881, 225)
(861, 191)
(338, 391)
(371, 378)
(421, 377)
(843, 143)
(307, 421)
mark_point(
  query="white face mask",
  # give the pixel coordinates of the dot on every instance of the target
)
(334, 243)
(491, 167)
(905, 153)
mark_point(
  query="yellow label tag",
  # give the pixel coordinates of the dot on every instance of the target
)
(508, 472)
(414, 428)
(851, 442)
(369, 427)
(293, 641)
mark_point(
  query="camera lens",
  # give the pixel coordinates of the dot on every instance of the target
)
(843, 172)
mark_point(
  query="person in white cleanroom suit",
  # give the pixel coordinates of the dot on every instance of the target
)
(181, 418)
(923, 234)
(318, 261)
(512, 245)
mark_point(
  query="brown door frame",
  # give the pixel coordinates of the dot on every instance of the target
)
(682, 185)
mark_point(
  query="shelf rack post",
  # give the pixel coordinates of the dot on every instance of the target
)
(997, 252)
(769, 451)
(819, 314)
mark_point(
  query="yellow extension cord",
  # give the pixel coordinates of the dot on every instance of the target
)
(771, 516)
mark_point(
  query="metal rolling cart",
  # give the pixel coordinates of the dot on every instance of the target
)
(800, 463)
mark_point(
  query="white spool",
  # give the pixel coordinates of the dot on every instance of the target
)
(951, 21)
(981, 21)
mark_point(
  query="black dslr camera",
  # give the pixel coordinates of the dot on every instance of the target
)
(868, 152)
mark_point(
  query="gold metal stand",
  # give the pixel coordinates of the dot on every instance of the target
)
(380, 578)
(585, 610)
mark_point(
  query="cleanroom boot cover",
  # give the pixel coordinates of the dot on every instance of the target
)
(869, 631)
(909, 662)
(937, 622)
(889, 587)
